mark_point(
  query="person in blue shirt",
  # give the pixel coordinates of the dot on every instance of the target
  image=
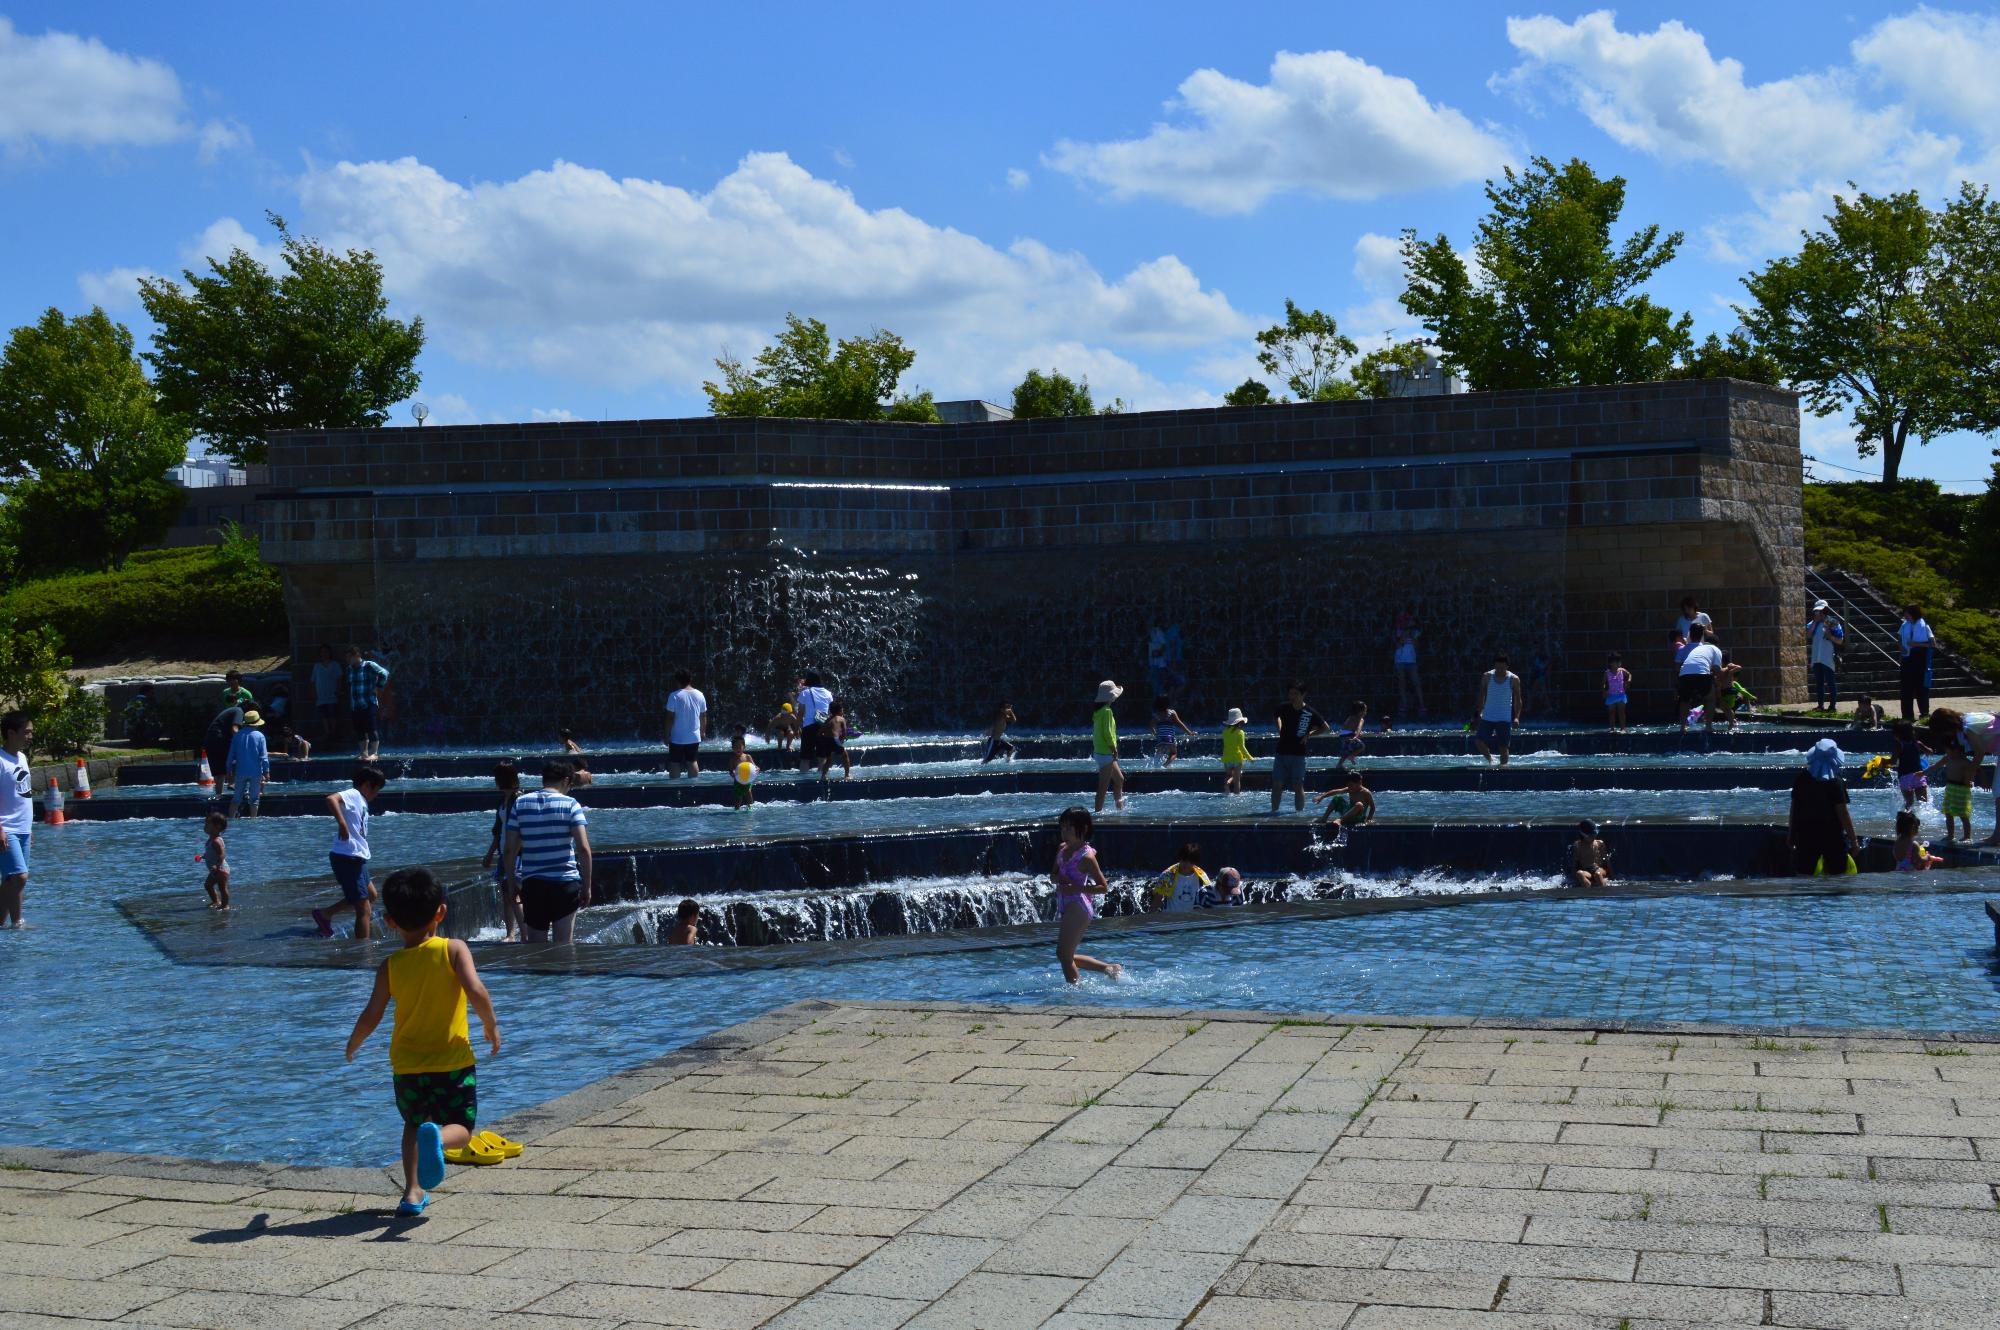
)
(249, 764)
(1917, 641)
(1824, 636)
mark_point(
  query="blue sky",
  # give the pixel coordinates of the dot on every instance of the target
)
(586, 203)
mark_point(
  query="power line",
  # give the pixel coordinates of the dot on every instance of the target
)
(1821, 461)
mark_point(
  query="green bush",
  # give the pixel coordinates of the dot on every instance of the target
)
(218, 593)
(1915, 545)
(34, 676)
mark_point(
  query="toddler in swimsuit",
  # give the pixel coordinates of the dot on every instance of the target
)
(1078, 877)
(215, 857)
(1616, 680)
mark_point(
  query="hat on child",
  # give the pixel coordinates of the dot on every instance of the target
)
(1108, 692)
(1236, 717)
(788, 708)
(1823, 760)
(253, 720)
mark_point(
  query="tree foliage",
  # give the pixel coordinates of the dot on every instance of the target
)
(803, 373)
(1372, 373)
(1305, 352)
(1737, 357)
(35, 677)
(1039, 396)
(1554, 298)
(1250, 392)
(1890, 312)
(84, 446)
(242, 351)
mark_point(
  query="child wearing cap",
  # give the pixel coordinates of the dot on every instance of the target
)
(784, 727)
(1235, 750)
(1227, 890)
(1589, 861)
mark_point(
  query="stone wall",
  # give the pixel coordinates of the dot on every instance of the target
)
(534, 575)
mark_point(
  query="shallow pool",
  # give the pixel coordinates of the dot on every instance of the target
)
(108, 1045)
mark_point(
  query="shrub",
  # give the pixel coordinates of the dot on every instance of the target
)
(215, 593)
(34, 676)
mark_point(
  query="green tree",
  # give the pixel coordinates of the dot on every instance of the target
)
(242, 351)
(915, 409)
(1554, 300)
(1250, 392)
(1304, 352)
(804, 374)
(1038, 396)
(84, 447)
(1735, 358)
(1890, 312)
(35, 677)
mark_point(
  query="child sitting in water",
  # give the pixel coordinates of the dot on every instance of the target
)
(1589, 861)
(216, 856)
(1169, 731)
(687, 923)
(1350, 734)
(1911, 855)
(1180, 887)
(1350, 805)
(1867, 716)
(1227, 891)
(1078, 877)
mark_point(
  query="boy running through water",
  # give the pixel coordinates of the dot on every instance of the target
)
(431, 981)
(349, 856)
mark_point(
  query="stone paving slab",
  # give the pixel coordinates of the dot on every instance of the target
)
(985, 1167)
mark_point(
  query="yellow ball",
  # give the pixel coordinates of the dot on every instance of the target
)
(745, 773)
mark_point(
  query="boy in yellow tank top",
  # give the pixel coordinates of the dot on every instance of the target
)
(430, 1050)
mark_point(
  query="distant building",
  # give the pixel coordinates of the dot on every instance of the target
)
(973, 412)
(1427, 380)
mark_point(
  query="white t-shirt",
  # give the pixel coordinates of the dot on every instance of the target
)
(326, 679)
(1686, 625)
(1186, 889)
(17, 795)
(1702, 658)
(1499, 698)
(353, 807)
(686, 707)
(814, 702)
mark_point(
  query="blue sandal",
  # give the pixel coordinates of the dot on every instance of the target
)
(411, 1209)
(430, 1156)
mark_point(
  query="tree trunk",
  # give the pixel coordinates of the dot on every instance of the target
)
(1892, 453)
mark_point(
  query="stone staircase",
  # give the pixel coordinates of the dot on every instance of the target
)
(1871, 661)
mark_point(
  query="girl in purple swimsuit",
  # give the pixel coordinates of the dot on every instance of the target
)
(1077, 877)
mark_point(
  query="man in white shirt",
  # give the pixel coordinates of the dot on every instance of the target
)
(1918, 641)
(17, 814)
(687, 725)
(1498, 707)
(1697, 682)
(815, 735)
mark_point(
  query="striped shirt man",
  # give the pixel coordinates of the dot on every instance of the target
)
(546, 821)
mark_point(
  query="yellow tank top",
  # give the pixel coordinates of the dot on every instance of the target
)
(430, 1033)
(1234, 749)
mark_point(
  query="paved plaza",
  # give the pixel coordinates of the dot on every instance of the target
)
(853, 1167)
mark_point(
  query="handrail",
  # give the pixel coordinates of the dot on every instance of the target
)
(1828, 591)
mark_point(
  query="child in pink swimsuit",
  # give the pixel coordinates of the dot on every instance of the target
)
(1078, 877)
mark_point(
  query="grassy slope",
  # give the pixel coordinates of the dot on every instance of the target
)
(1916, 545)
(200, 596)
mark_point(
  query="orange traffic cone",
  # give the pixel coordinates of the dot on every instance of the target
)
(81, 784)
(55, 803)
(203, 774)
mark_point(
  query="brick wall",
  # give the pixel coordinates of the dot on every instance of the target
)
(1559, 523)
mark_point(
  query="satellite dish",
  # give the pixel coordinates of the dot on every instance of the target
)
(420, 411)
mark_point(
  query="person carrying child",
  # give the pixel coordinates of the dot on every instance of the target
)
(1911, 778)
(1235, 750)
(1227, 891)
(1912, 856)
(215, 855)
(507, 780)
(1617, 687)
(431, 981)
(1180, 886)
(1589, 862)
(998, 745)
(1349, 805)
(1169, 731)
(349, 856)
(1078, 876)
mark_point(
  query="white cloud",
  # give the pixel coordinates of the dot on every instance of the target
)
(1016, 178)
(1942, 62)
(114, 288)
(219, 137)
(573, 272)
(1326, 124)
(1663, 93)
(226, 234)
(60, 88)
(551, 413)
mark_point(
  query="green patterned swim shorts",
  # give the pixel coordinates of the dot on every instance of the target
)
(448, 1098)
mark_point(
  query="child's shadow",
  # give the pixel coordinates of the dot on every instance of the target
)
(376, 1225)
